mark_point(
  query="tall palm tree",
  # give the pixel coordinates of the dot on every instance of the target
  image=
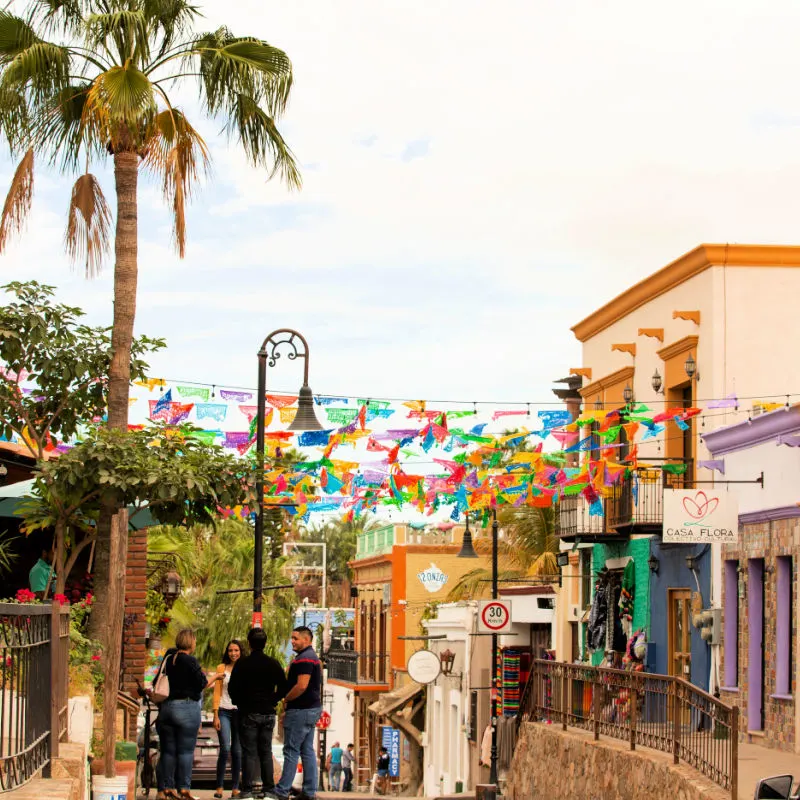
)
(84, 80)
(528, 550)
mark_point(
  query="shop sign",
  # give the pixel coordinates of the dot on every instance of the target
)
(390, 739)
(424, 666)
(432, 578)
(697, 516)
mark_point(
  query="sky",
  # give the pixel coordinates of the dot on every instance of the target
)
(477, 179)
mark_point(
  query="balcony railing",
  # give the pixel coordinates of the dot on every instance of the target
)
(638, 500)
(34, 654)
(352, 667)
(658, 711)
(634, 501)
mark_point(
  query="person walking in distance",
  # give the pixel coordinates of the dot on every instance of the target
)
(335, 771)
(303, 709)
(348, 765)
(256, 686)
(226, 722)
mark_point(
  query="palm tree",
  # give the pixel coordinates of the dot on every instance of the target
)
(528, 550)
(82, 80)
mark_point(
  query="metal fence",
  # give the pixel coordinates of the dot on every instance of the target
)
(34, 648)
(658, 711)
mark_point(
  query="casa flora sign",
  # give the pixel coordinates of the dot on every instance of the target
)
(698, 516)
(432, 578)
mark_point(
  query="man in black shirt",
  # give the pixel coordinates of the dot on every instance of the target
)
(256, 686)
(303, 709)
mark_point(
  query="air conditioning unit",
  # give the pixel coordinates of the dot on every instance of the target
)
(574, 612)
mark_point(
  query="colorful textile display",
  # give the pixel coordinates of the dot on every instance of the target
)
(511, 678)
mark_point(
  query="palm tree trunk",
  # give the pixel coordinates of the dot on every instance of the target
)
(126, 174)
(112, 534)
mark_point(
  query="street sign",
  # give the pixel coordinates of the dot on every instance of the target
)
(494, 616)
(324, 721)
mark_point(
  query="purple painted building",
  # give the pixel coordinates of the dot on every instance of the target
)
(759, 659)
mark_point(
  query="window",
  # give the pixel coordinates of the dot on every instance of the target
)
(783, 650)
(473, 716)
(730, 639)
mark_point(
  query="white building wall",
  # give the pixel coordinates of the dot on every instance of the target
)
(341, 711)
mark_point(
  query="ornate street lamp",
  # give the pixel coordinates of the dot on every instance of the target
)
(305, 420)
(171, 587)
(656, 382)
(690, 366)
(447, 657)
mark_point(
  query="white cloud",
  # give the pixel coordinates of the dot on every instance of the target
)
(570, 148)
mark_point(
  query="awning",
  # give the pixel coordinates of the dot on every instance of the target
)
(388, 702)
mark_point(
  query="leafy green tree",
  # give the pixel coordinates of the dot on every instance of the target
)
(528, 549)
(64, 362)
(168, 470)
(164, 469)
(212, 559)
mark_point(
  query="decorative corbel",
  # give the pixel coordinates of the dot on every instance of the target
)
(629, 347)
(582, 372)
(655, 333)
(689, 316)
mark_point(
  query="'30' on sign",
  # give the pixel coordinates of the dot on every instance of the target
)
(494, 616)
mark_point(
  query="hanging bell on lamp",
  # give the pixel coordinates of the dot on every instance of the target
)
(305, 419)
(467, 549)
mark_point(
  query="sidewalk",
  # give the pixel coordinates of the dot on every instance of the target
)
(756, 762)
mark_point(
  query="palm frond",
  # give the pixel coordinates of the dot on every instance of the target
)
(41, 69)
(18, 200)
(119, 106)
(59, 127)
(177, 152)
(16, 35)
(261, 140)
(477, 583)
(88, 233)
(231, 66)
(172, 17)
(122, 33)
(15, 118)
(62, 16)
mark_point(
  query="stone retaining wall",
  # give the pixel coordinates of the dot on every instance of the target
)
(564, 765)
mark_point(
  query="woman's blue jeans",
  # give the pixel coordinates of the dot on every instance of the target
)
(229, 745)
(178, 724)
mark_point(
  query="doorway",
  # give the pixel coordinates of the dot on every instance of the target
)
(755, 666)
(679, 633)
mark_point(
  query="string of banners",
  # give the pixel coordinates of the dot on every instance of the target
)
(375, 453)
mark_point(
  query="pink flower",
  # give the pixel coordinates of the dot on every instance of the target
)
(25, 596)
(60, 598)
(95, 657)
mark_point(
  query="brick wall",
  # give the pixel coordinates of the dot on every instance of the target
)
(134, 654)
(767, 540)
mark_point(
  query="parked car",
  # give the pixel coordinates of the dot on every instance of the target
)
(206, 752)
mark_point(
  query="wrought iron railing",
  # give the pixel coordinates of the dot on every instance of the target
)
(34, 649)
(574, 518)
(352, 667)
(657, 711)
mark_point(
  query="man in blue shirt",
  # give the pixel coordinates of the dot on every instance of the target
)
(303, 709)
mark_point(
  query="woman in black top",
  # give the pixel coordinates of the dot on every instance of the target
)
(179, 717)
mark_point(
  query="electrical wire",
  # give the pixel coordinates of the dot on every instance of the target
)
(363, 396)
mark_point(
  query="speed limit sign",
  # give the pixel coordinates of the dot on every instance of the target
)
(494, 616)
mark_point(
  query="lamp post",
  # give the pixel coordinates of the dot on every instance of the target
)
(305, 420)
(468, 551)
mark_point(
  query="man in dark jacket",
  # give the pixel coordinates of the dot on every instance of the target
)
(257, 685)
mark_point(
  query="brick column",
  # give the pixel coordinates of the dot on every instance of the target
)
(134, 654)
